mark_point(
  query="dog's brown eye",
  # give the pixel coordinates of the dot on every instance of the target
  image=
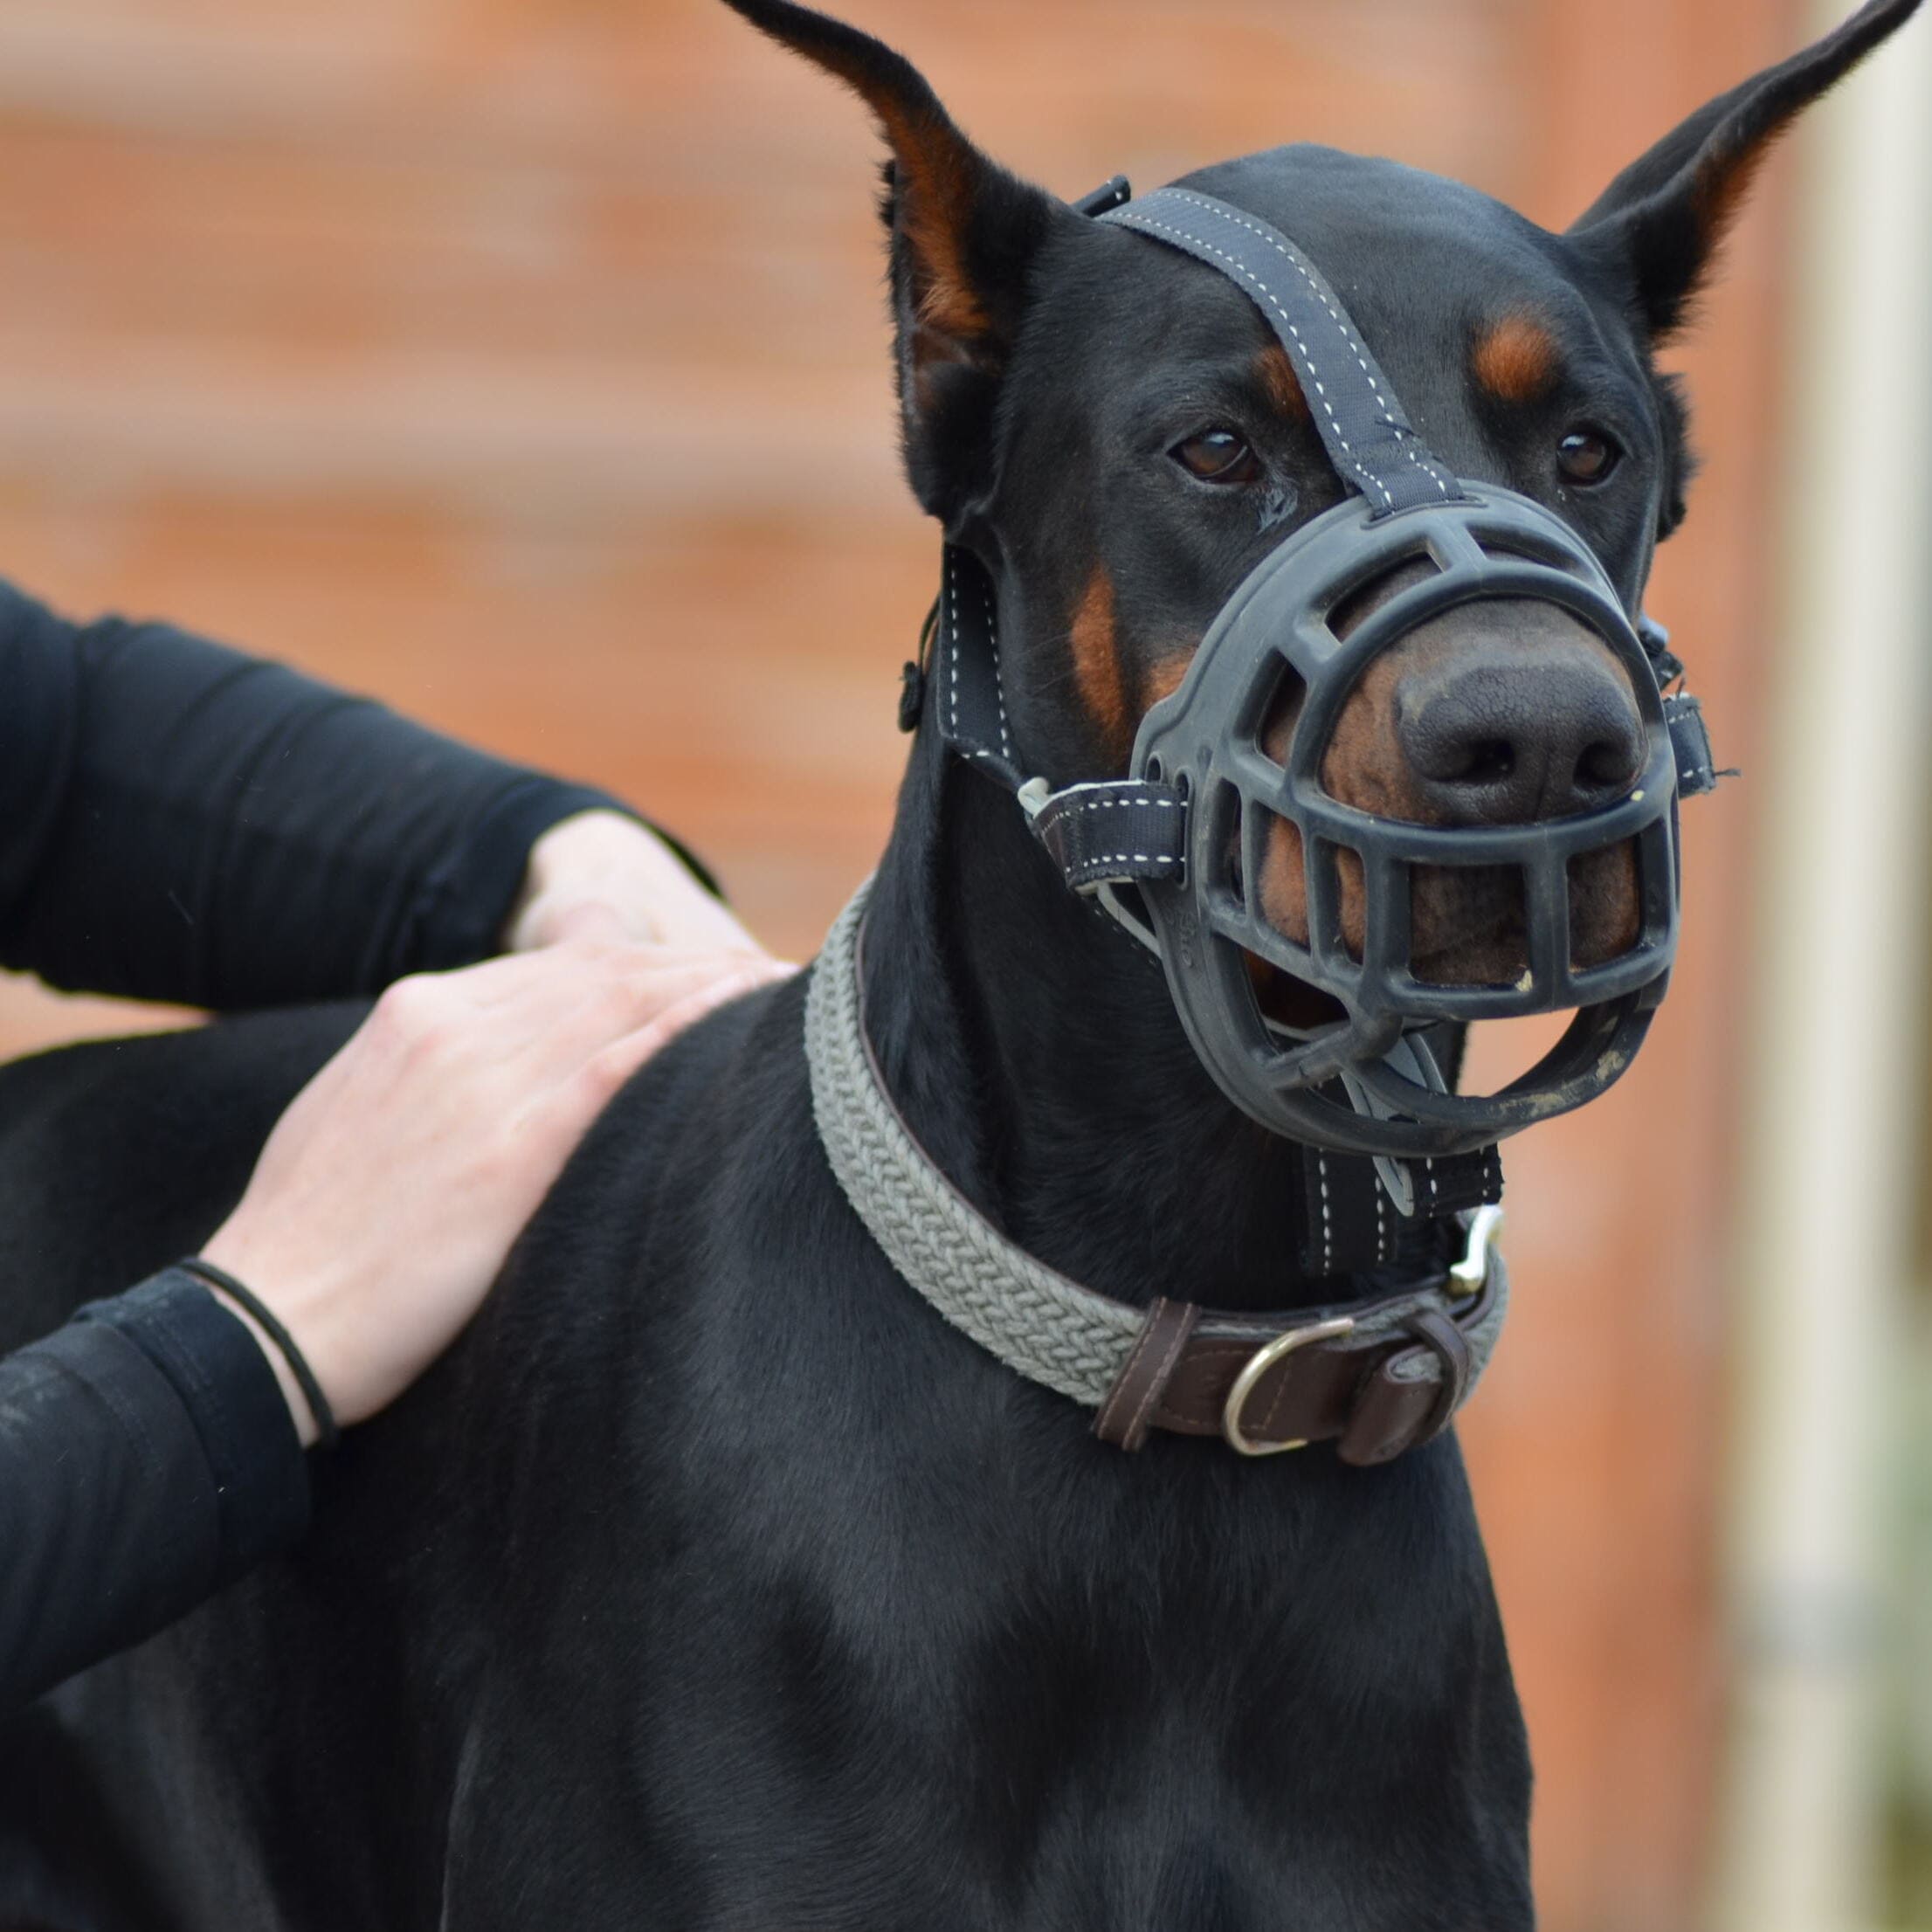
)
(1217, 456)
(1587, 456)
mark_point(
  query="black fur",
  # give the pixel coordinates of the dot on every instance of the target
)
(710, 1581)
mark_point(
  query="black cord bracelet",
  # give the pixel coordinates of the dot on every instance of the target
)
(327, 1434)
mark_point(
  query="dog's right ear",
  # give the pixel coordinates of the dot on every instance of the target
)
(963, 235)
(1659, 224)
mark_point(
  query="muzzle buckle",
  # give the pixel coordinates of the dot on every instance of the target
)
(1471, 1276)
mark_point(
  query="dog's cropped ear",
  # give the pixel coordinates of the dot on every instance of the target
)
(963, 234)
(1660, 223)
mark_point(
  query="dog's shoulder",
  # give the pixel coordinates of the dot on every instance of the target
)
(134, 1148)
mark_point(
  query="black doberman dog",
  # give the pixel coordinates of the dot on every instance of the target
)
(713, 1580)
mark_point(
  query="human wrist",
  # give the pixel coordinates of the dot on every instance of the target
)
(292, 1357)
(309, 1431)
(230, 1396)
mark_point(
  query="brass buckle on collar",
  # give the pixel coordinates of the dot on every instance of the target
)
(1467, 1277)
(1259, 1362)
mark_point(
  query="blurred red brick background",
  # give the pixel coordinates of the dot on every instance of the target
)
(523, 361)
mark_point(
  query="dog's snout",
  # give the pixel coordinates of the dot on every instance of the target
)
(1500, 740)
(1506, 714)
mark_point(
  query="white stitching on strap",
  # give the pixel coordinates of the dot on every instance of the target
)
(1327, 1218)
(1350, 336)
(999, 682)
(1367, 477)
(1110, 804)
(1351, 340)
(1097, 866)
(952, 605)
(949, 581)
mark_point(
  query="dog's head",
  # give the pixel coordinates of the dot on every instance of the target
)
(1121, 438)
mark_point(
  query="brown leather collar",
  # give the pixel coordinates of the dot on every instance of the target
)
(1359, 1376)
(1376, 1376)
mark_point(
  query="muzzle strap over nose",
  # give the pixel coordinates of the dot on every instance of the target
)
(1370, 442)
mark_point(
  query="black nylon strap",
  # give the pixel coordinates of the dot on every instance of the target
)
(971, 705)
(1348, 1223)
(1690, 739)
(1119, 833)
(1370, 442)
(1114, 833)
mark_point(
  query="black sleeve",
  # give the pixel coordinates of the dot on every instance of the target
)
(179, 822)
(147, 1459)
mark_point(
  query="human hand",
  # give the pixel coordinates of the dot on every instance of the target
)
(600, 873)
(388, 1197)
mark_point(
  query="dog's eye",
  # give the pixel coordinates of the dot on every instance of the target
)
(1217, 456)
(1588, 456)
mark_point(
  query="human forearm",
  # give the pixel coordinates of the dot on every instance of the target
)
(147, 1459)
(180, 822)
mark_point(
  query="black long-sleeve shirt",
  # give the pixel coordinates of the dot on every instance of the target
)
(147, 1459)
(181, 823)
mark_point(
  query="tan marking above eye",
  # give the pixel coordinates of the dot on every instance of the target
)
(1516, 359)
(1277, 377)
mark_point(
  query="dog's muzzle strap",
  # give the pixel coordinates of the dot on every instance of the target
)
(1126, 832)
(1690, 738)
(1117, 832)
(1373, 446)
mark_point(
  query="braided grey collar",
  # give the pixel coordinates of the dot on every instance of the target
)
(1039, 1323)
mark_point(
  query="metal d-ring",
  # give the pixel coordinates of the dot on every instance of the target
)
(1263, 1359)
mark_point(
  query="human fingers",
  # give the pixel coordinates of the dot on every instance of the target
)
(577, 1004)
(389, 1194)
(605, 866)
(588, 1088)
(593, 953)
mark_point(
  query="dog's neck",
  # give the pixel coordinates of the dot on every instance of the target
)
(1035, 1053)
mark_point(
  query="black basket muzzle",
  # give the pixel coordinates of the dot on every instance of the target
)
(1206, 742)
(1178, 852)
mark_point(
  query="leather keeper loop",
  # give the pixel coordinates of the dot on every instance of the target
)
(1395, 1413)
(1125, 1417)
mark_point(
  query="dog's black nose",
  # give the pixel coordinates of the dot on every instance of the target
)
(1510, 740)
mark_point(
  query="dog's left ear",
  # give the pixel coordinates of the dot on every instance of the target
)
(963, 234)
(1659, 224)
